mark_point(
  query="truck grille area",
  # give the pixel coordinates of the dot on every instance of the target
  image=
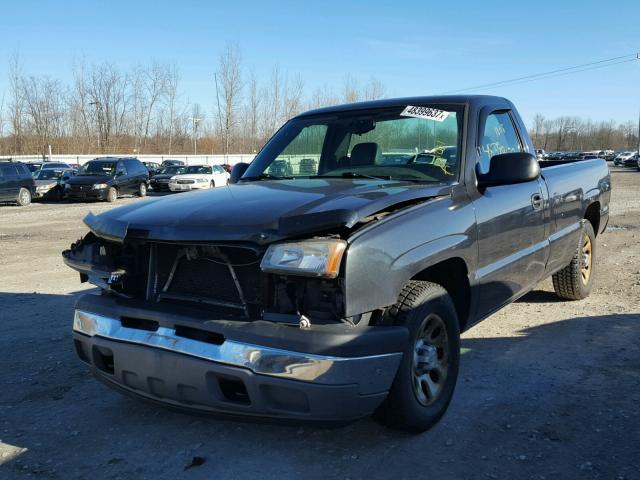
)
(219, 277)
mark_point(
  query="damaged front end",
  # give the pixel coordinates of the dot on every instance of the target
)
(224, 280)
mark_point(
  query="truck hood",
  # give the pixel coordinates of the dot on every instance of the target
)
(259, 212)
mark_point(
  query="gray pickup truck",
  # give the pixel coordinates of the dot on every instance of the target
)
(333, 277)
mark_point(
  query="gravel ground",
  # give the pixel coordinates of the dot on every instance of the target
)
(547, 389)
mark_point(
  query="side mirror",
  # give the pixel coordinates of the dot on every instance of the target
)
(509, 168)
(237, 171)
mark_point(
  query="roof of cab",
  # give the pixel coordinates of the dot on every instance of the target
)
(475, 100)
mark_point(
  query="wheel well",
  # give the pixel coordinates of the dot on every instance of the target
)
(452, 275)
(593, 215)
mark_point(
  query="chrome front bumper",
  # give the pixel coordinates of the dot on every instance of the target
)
(160, 364)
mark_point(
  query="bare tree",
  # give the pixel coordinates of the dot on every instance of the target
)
(16, 105)
(229, 88)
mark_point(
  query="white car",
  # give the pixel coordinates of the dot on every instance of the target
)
(196, 177)
(623, 158)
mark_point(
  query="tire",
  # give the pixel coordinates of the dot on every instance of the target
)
(427, 310)
(142, 190)
(24, 197)
(213, 184)
(112, 196)
(575, 281)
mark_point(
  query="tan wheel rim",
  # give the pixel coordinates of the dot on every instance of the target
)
(587, 250)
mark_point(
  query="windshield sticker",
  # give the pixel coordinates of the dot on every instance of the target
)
(425, 112)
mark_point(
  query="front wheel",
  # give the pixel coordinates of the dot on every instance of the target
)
(575, 281)
(112, 195)
(428, 372)
(212, 184)
(142, 190)
(24, 197)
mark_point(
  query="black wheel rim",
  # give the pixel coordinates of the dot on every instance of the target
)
(430, 360)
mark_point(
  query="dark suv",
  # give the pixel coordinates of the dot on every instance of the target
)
(107, 178)
(16, 183)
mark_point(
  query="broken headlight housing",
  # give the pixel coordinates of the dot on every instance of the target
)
(309, 258)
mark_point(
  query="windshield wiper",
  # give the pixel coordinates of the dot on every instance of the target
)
(357, 175)
(267, 176)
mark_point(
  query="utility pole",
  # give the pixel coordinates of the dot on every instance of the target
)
(195, 121)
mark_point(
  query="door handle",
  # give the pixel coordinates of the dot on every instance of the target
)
(536, 201)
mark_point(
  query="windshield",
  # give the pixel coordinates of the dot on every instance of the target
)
(174, 170)
(49, 174)
(98, 168)
(415, 143)
(197, 169)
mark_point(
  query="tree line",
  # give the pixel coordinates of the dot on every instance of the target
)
(144, 110)
(567, 133)
(105, 109)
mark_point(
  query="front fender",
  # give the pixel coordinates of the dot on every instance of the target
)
(380, 261)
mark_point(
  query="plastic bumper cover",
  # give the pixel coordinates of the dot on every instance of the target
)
(229, 376)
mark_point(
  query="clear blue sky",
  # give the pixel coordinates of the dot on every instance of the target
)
(415, 47)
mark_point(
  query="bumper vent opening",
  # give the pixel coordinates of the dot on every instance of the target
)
(103, 359)
(80, 350)
(200, 335)
(234, 390)
(139, 324)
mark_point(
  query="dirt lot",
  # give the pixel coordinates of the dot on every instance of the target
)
(547, 389)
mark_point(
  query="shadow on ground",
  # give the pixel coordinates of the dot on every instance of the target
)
(556, 400)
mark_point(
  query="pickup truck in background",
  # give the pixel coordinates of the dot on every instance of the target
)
(339, 289)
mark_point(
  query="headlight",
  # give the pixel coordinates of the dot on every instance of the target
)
(45, 188)
(99, 186)
(67, 186)
(309, 258)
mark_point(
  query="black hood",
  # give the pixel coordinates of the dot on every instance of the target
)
(88, 179)
(162, 176)
(260, 212)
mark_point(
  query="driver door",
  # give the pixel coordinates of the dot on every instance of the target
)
(512, 244)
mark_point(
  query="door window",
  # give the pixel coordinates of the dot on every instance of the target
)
(499, 136)
(8, 171)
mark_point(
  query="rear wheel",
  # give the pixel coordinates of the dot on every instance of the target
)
(24, 197)
(142, 190)
(112, 195)
(575, 281)
(428, 372)
(213, 184)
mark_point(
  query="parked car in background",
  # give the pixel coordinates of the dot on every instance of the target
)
(196, 177)
(227, 167)
(55, 166)
(107, 178)
(631, 162)
(152, 167)
(308, 166)
(160, 181)
(169, 162)
(50, 183)
(623, 157)
(16, 183)
(541, 154)
(33, 166)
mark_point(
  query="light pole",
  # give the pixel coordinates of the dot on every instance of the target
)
(195, 121)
